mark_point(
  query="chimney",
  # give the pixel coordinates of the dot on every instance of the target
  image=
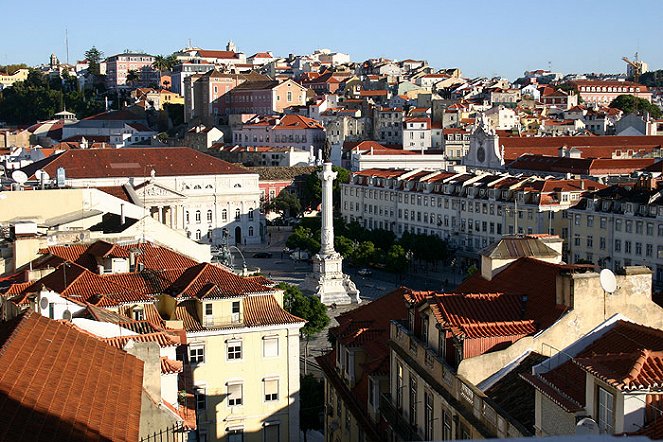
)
(148, 352)
(122, 217)
(100, 269)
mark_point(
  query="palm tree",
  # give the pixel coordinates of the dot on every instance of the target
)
(132, 77)
(164, 63)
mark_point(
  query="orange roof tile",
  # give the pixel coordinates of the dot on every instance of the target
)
(264, 310)
(60, 384)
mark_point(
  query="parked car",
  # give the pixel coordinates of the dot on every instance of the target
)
(365, 272)
(262, 255)
(300, 255)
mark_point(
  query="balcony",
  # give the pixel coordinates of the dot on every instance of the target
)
(226, 321)
(398, 423)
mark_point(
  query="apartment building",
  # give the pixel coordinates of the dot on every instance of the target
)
(470, 210)
(118, 67)
(619, 226)
(242, 354)
(388, 125)
(455, 349)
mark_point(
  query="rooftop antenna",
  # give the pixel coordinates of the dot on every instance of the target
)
(66, 43)
(549, 66)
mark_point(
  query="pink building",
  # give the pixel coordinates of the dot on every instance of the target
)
(603, 92)
(119, 66)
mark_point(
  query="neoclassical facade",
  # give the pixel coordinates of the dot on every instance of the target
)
(208, 199)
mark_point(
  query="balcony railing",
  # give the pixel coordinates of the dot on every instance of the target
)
(397, 422)
(222, 321)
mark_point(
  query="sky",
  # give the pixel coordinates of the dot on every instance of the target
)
(482, 37)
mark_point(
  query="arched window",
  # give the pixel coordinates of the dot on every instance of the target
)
(188, 234)
(197, 187)
(186, 216)
(197, 216)
(209, 232)
(237, 214)
(251, 214)
(198, 234)
(209, 216)
(250, 230)
(224, 215)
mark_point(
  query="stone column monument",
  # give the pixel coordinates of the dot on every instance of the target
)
(327, 279)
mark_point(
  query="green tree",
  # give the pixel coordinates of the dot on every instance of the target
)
(652, 78)
(312, 396)
(306, 307)
(93, 57)
(303, 238)
(630, 104)
(364, 253)
(285, 202)
(396, 259)
(11, 69)
(345, 246)
(133, 76)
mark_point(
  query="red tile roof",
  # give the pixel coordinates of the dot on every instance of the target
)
(206, 53)
(134, 162)
(265, 310)
(162, 338)
(294, 121)
(540, 287)
(168, 366)
(60, 384)
(207, 280)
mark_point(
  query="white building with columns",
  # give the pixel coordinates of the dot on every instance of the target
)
(202, 196)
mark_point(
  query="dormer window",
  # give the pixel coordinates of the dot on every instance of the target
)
(138, 313)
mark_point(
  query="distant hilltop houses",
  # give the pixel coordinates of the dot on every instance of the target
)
(158, 216)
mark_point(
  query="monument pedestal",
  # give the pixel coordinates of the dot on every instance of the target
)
(328, 281)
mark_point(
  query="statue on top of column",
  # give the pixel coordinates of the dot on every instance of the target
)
(326, 151)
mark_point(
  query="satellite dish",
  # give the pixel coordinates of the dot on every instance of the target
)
(42, 175)
(66, 315)
(19, 176)
(608, 281)
(587, 426)
(43, 303)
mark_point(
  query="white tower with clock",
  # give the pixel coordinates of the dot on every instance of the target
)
(484, 151)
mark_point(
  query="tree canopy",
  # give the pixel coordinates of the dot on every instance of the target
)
(630, 104)
(39, 97)
(312, 192)
(11, 69)
(93, 57)
(312, 395)
(164, 62)
(285, 202)
(652, 78)
(306, 307)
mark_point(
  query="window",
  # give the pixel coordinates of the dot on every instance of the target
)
(209, 216)
(199, 234)
(235, 393)
(618, 225)
(399, 385)
(618, 245)
(234, 350)
(235, 435)
(270, 346)
(271, 390)
(237, 214)
(627, 246)
(371, 392)
(224, 215)
(198, 219)
(250, 230)
(208, 309)
(251, 214)
(446, 425)
(201, 398)
(271, 432)
(428, 416)
(186, 216)
(196, 354)
(413, 399)
(605, 417)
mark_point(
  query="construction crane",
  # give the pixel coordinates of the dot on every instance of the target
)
(636, 67)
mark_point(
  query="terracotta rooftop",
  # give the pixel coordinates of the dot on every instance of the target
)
(133, 162)
(60, 384)
(207, 280)
(265, 310)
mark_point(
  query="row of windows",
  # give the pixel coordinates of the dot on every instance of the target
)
(198, 234)
(270, 349)
(235, 393)
(210, 214)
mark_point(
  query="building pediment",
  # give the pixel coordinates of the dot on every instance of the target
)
(157, 191)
